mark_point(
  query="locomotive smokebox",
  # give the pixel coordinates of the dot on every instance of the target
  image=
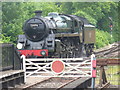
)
(38, 13)
(35, 28)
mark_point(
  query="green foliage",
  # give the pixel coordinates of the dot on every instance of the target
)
(67, 7)
(46, 7)
(98, 14)
(14, 15)
(12, 20)
(88, 17)
(4, 39)
(102, 39)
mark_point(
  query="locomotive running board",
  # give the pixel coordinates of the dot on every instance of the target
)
(57, 67)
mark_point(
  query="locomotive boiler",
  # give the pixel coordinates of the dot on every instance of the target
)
(56, 35)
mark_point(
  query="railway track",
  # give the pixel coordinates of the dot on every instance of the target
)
(108, 55)
(111, 51)
(54, 82)
(60, 83)
(107, 85)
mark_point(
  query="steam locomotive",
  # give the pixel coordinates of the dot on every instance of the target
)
(56, 35)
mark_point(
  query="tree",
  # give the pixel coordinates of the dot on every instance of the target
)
(98, 13)
(15, 14)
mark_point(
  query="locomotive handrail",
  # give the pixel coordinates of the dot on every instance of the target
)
(63, 28)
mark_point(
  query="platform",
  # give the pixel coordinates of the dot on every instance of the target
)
(11, 78)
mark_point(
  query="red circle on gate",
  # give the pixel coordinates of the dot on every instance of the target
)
(57, 66)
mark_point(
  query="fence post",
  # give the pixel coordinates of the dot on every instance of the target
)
(93, 69)
(24, 67)
(103, 79)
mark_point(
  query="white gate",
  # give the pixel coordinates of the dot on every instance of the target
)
(57, 67)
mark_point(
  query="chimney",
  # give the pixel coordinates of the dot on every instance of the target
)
(38, 13)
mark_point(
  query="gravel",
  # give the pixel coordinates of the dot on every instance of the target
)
(54, 82)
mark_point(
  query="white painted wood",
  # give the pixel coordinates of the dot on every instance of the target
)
(52, 59)
(24, 67)
(77, 68)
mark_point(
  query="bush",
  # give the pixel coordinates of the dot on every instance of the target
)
(4, 39)
(103, 38)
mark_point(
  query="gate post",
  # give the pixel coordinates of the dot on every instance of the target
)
(93, 69)
(24, 67)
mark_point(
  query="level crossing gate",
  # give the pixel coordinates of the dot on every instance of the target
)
(57, 67)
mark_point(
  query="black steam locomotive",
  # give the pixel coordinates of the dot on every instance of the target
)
(56, 35)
